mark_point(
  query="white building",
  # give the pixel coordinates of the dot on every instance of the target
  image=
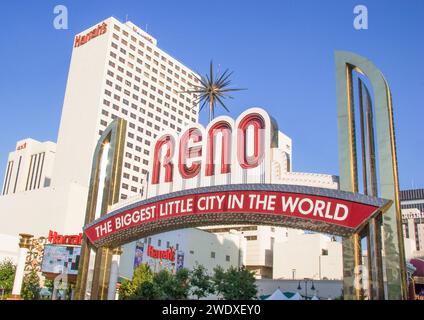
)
(413, 232)
(116, 70)
(29, 167)
(192, 247)
(120, 73)
(307, 255)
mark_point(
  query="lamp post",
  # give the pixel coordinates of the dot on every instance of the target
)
(306, 280)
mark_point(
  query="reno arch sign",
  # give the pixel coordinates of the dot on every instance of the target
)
(223, 174)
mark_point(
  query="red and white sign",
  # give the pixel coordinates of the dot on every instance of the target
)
(225, 146)
(329, 210)
(55, 238)
(98, 31)
(168, 254)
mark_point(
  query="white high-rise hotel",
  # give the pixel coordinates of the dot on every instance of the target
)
(116, 70)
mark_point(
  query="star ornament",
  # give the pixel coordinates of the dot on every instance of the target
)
(212, 90)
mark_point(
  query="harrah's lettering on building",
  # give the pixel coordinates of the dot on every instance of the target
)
(83, 39)
(55, 238)
(168, 254)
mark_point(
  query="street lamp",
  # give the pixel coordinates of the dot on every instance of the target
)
(306, 280)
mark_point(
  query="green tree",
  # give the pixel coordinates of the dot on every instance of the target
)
(130, 289)
(127, 290)
(200, 282)
(147, 291)
(31, 286)
(165, 282)
(218, 280)
(182, 284)
(142, 273)
(239, 284)
(7, 275)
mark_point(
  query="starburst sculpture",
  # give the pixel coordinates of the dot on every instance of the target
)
(213, 90)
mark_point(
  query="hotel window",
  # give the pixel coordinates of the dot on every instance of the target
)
(177, 246)
(131, 135)
(108, 93)
(227, 258)
(123, 196)
(105, 113)
(116, 27)
(137, 158)
(112, 64)
(103, 123)
(109, 83)
(145, 162)
(137, 148)
(126, 176)
(110, 73)
(132, 125)
(125, 186)
(251, 238)
(129, 145)
(120, 69)
(123, 51)
(115, 107)
(136, 169)
(213, 255)
(139, 139)
(125, 112)
(106, 103)
(128, 155)
(191, 252)
(146, 152)
(133, 189)
(167, 244)
(159, 242)
(114, 45)
(112, 54)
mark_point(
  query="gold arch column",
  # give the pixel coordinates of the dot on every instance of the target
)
(395, 266)
(114, 138)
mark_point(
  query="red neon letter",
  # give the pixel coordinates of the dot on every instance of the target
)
(258, 123)
(224, 128)
(189, 152)
(167, 161)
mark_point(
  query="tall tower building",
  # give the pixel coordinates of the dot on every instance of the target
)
(117, 70)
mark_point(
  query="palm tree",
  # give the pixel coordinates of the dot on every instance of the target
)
(212, 90)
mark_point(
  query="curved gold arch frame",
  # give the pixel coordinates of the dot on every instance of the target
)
(395, 267)
(114, 134)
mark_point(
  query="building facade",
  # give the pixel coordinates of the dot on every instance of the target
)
(412, 204)
(184, 248)
(307, 255)
(29, 167)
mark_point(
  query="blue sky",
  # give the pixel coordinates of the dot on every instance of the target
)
(282, 51)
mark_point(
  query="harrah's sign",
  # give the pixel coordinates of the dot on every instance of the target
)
(168, 254)
(55, 238)
(83, 39)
